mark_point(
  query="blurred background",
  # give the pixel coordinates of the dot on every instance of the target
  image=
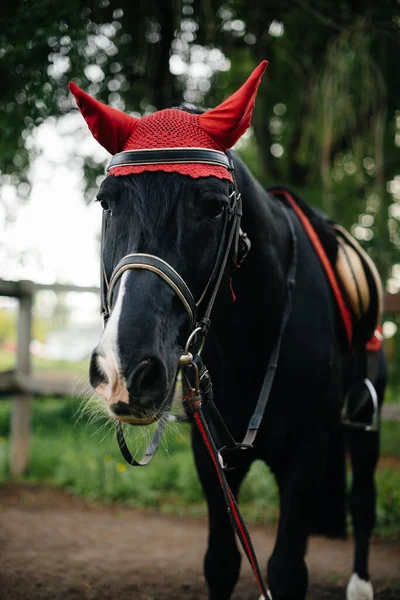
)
(326, 123)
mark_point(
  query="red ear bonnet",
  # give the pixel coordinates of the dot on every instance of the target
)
(109, 126)
(216, 129)
(227, 122)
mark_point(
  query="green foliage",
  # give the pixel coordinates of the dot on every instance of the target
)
(327, 114)
(8, 329)
(388, 509)
(115, 49)
(73, 453)
(390, 438)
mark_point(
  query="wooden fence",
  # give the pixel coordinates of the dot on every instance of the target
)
(21, 384)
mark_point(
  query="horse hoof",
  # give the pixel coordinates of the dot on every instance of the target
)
(359, 589)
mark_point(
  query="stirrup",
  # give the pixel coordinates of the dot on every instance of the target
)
(373, 425)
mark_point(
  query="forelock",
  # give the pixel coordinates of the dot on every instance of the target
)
(152, 203)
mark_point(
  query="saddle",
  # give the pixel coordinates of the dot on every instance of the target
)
(363, 289)
(360, 282)
(352, 275)
(358, 292)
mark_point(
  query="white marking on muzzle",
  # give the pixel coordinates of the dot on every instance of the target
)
(115, 390)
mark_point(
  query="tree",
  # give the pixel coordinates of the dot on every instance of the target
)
(325, 119)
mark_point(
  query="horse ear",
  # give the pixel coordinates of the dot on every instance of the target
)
(228, 121)
(109, 126)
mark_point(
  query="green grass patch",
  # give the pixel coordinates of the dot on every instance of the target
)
(83, 457)
(390, 438)
(392, 393)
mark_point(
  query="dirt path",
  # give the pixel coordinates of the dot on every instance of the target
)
(55, 546)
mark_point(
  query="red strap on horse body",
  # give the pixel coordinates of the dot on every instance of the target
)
(234, 513)
(330, 273)
(375, 342)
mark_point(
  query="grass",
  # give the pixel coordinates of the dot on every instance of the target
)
(83, 458)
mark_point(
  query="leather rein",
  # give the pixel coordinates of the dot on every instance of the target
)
(198, 398)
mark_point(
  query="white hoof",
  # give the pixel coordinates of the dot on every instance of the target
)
(269, 596)
(359, 589)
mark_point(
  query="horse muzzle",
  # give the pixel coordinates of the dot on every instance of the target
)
(139, 396)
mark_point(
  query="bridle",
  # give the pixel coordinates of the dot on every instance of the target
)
(234, 243)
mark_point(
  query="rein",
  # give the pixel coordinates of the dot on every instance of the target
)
(198, 397)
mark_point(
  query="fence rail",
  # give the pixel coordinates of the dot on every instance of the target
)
(21, 384)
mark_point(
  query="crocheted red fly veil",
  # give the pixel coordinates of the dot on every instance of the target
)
(216, 129)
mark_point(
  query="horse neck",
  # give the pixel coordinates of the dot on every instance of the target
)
(260, 283)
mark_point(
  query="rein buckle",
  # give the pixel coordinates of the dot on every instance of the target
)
(193, 400)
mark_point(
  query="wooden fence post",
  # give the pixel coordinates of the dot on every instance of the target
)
(21, 417)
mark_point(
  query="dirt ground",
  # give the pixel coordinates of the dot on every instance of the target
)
(59, 547)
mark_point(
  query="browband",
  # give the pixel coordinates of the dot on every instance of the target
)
(164, 156)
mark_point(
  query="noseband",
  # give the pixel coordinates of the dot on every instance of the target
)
(162, 269)
(233, 241)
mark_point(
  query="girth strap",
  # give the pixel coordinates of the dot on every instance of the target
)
(210, 409)
(269, 377)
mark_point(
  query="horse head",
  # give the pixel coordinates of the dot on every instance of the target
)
(165, 224)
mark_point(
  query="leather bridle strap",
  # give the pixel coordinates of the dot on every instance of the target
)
(162, 269)
(154, 156)
(200, 394)
(104, 284)
(269, 377)
(164, 156)
(150, 450)
(235, 516)
(225, 438)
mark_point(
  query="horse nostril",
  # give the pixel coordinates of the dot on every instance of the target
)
(96, 376)
(148, 377)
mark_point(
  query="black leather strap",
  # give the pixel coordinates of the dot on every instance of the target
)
(150, 450)
(160, 268)
(163, 156)
(269, 377)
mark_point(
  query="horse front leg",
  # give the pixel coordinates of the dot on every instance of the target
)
(222, 560)
(298, 479)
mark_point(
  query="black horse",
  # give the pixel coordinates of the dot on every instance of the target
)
(180, 219)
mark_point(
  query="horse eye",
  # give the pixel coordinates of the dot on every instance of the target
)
(213, 208)
(105, 206)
